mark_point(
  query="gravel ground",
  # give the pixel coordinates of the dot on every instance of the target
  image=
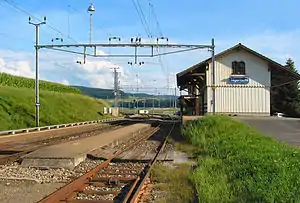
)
(26, 185)
(31, 184)
(17, 172)
(21, 184)
(25, 191)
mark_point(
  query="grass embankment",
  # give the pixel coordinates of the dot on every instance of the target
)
(238, 164)
(59, 104)
(17, 108)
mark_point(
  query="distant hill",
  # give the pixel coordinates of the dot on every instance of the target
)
(97, 92)
(109, 94)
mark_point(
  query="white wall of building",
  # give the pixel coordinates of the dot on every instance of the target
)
(250, 98)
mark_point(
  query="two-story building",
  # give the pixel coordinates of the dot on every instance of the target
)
(244, 80)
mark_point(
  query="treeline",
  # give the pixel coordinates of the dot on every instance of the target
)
(148, 103)
(285, 93)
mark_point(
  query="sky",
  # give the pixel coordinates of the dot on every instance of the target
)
(269, 27)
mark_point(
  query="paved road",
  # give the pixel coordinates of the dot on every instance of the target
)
(283, 129)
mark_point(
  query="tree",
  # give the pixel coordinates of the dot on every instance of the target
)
(286, 98)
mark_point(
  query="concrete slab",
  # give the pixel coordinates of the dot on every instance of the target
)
(141, 153)
(283, 129)
(190, 118)
(70, 154)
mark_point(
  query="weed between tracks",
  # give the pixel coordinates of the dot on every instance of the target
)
(172, 181)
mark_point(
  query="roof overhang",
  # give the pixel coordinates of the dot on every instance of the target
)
(192, 76)
(186, 74)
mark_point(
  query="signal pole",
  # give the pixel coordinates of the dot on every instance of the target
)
(175, 99)
(91, 9)
(116, 87)
(37, 98)
(213, 76)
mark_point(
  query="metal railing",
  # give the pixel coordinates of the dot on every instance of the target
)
(37, 129)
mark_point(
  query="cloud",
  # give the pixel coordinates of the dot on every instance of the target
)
(62, 68)
(65, 82)
(16, 67)
(98, 72)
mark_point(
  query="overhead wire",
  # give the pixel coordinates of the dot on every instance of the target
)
(12, 3)
(155, 17)
(146, 26)
(142, 19)
(160, 59)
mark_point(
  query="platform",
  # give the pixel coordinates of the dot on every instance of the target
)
(70, 154)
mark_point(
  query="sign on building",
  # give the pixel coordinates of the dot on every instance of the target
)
(234, 80)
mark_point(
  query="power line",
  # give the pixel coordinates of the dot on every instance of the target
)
(12, 3)
(146, 27)
(144, 18)
(161, 34)
(156, 19)
(141, 18)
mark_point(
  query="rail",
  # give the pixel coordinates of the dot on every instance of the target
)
(67, 192)
(138, 187)
(37, 129)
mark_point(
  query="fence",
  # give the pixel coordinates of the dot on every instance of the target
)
(36, 129)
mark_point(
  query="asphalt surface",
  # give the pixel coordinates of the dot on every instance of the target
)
(284, 129)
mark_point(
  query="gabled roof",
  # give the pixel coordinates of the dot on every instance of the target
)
(238, 47)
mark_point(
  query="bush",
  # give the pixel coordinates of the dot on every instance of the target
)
(19, 82)
(242, 165)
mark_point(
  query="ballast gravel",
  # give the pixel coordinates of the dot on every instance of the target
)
(27, 185)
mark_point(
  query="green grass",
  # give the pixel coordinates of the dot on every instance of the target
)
(17, 109)
(22, 82)
(174, 182)
(239, 164)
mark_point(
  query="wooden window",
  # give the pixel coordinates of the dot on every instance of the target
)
(238, 68)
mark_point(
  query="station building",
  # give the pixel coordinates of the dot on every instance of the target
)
(244, 82)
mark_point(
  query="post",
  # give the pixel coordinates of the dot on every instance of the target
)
(137, 82)
(175, 99)
(153, 104)
(137, 89)
(37, 98)
(121, 102)
(213, 76)
(116, 89)
(91, 18)
(91, 9)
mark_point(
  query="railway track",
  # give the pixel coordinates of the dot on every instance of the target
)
(111, 181)
(13, 151)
